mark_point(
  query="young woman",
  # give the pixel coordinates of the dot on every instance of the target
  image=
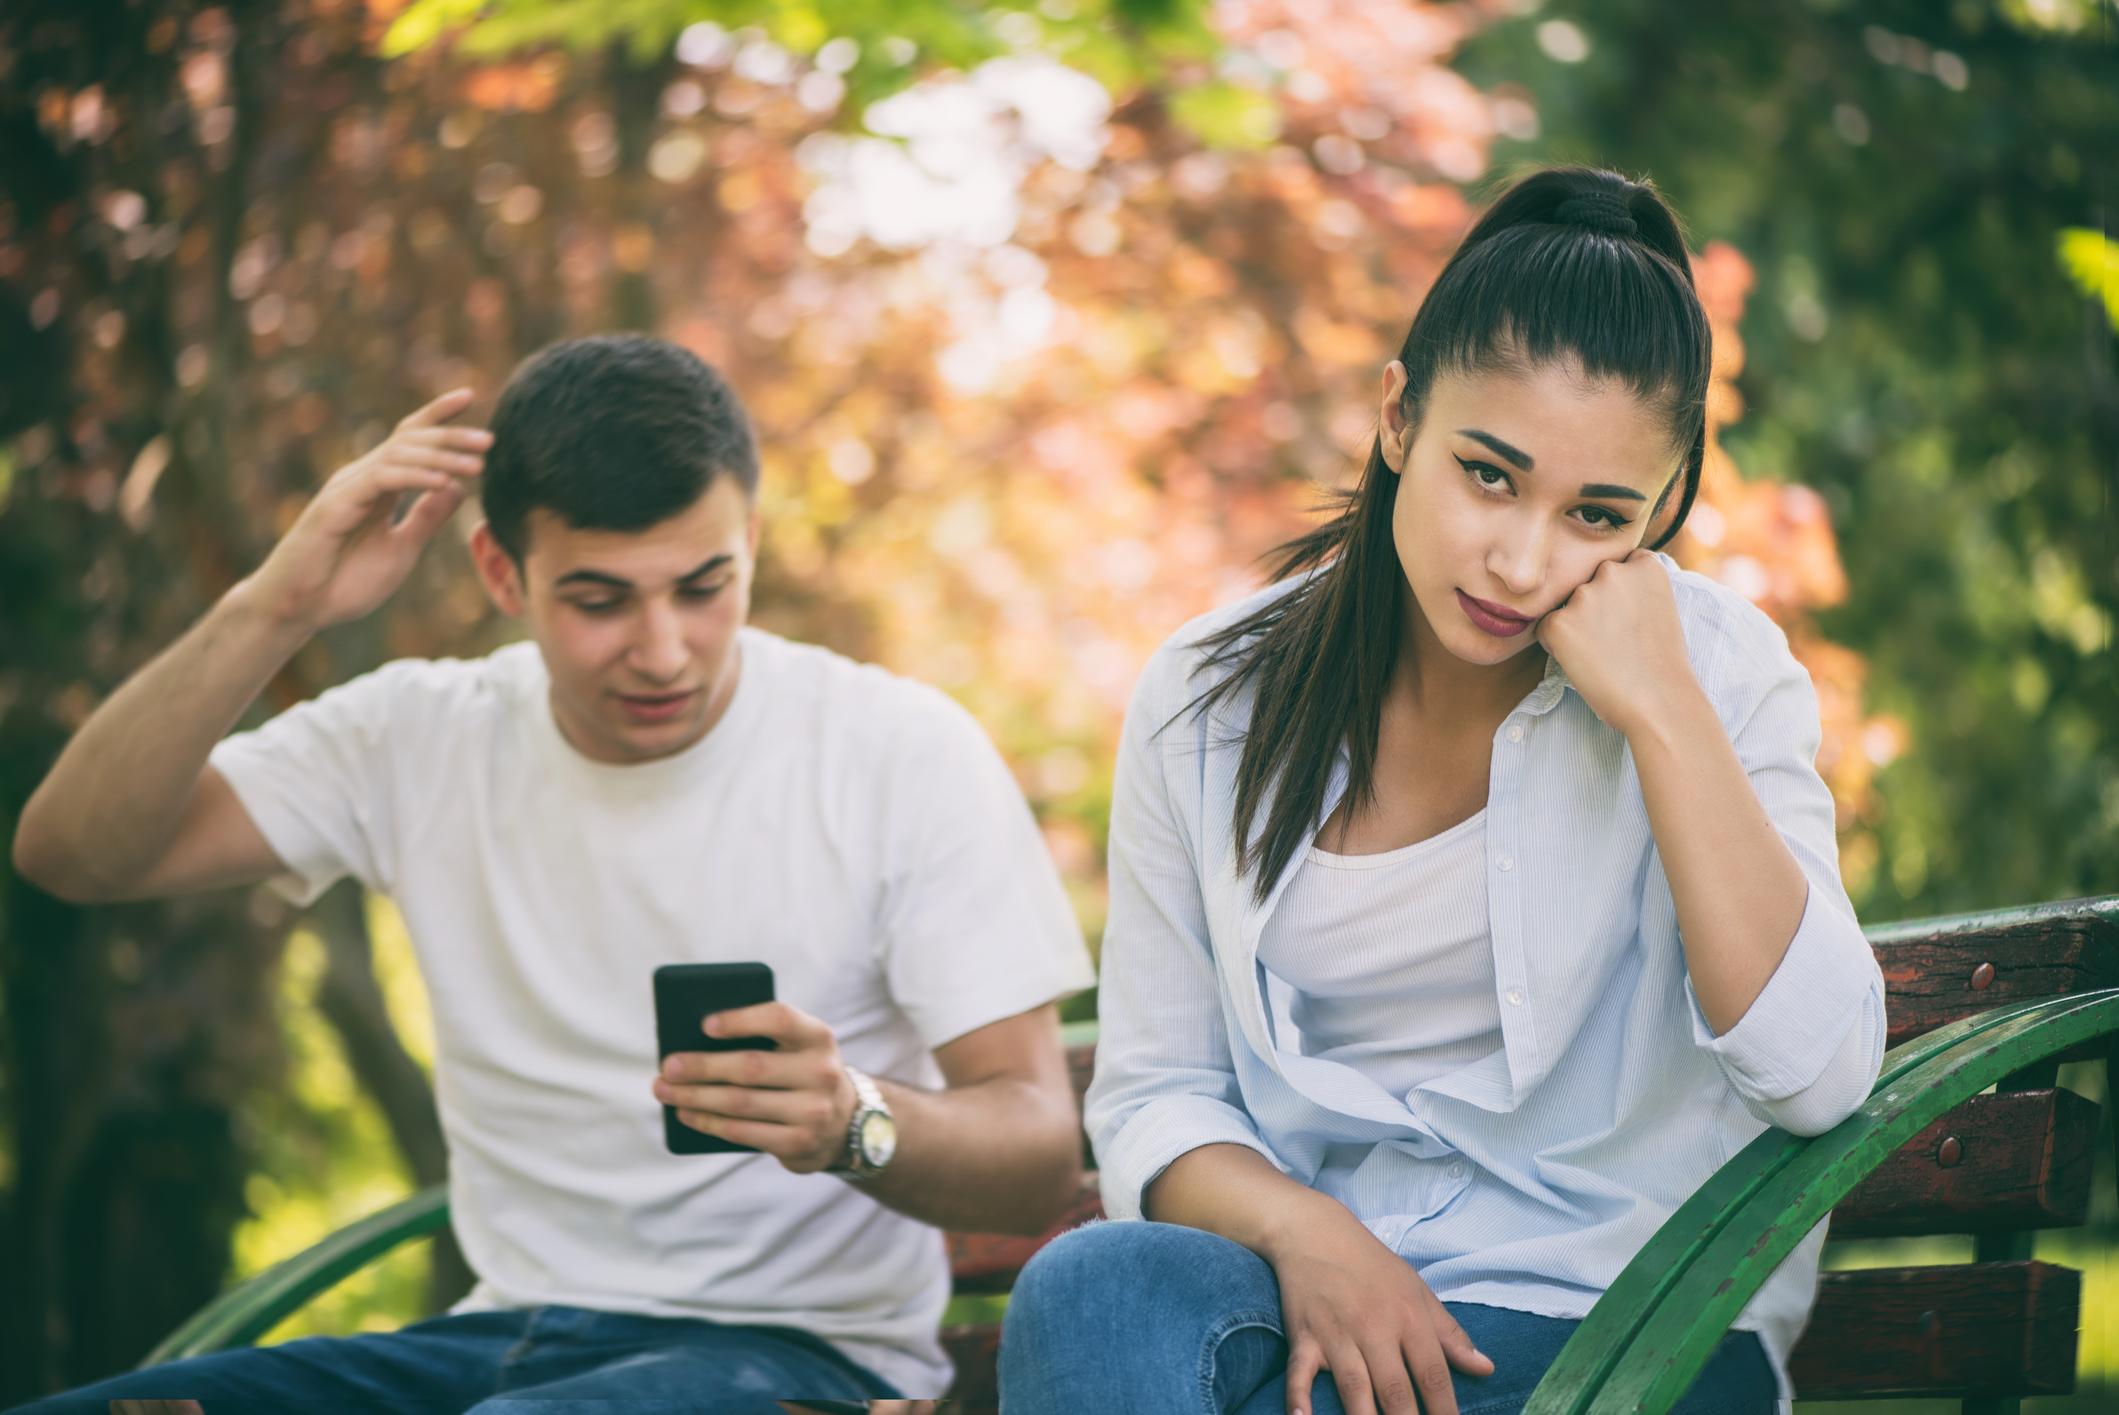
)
(1474, 895)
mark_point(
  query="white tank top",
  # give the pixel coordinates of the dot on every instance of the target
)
(1389, 957)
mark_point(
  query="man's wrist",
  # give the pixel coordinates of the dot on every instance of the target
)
(849, 1106)
(871, 1131)
(251, 605)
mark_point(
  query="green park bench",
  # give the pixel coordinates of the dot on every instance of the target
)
(1967, 1132)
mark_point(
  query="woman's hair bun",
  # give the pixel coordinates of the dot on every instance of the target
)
(1607, 212)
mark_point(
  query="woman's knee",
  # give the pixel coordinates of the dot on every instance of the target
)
(1107, 1253)
(1118, 1273)
(1077, 1255)
(1064, 1275)
(1128, 1315)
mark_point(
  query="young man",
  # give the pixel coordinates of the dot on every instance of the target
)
(647, 781)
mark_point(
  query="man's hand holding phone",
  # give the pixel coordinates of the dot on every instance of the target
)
(794, 1102)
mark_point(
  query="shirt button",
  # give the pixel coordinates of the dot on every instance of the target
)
(1506, 862)
(1515, 997)
(1515, 732)
(1456, 1171)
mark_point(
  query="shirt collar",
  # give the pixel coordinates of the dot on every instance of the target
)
(1546, 696)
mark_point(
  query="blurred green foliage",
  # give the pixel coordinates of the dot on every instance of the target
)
(876, 47)
(325, 1155)
(2092, 258)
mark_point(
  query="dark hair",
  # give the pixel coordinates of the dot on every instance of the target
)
(1570, 263)
(612, 432)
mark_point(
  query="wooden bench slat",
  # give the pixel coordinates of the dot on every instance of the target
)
(1938, 976)
(2003, 1161)
(989, 1262)
(1970, 1329)
(1081, 1065)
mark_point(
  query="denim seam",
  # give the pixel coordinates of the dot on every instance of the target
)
(516, 1352)
(1210, 1350)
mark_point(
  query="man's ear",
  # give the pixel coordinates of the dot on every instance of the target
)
(757, 522)
(497, 571)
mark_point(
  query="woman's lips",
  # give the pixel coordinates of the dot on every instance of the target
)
(1490, 618)
(659, 707)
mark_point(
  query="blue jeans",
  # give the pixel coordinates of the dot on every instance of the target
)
(534, 1361)
(1167, 1320)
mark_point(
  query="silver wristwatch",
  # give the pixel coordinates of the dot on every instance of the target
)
(872, 1135)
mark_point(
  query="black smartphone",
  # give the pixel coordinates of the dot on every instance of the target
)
(686, 994)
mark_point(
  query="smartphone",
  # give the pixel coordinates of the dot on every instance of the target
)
(686, 994)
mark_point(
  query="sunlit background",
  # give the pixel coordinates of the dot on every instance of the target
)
(1053, 318)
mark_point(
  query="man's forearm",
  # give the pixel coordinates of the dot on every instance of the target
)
(1002, 1156)
(114, 799)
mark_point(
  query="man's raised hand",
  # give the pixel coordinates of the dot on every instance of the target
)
(350, 549)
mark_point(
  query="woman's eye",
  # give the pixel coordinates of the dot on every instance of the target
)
(1605, 520)
(1479, 471)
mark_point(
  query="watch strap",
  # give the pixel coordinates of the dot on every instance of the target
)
(868, 1100)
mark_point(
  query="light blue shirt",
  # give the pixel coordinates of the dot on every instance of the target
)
(1530, 1178)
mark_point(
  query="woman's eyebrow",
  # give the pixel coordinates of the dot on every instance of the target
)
(1523, 459)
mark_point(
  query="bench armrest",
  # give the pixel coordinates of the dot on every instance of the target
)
(251, 1308)
(1657, 1325)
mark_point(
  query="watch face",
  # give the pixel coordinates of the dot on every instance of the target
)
(879, 1139)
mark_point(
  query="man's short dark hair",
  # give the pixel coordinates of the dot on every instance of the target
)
(612, 432)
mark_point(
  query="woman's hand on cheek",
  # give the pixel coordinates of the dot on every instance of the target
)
(1618, 639)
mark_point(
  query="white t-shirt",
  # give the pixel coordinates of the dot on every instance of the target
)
(1390, 958)
(855, 830)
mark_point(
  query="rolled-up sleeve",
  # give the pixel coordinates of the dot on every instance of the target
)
(1164, 1083)
(1807, 1052)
